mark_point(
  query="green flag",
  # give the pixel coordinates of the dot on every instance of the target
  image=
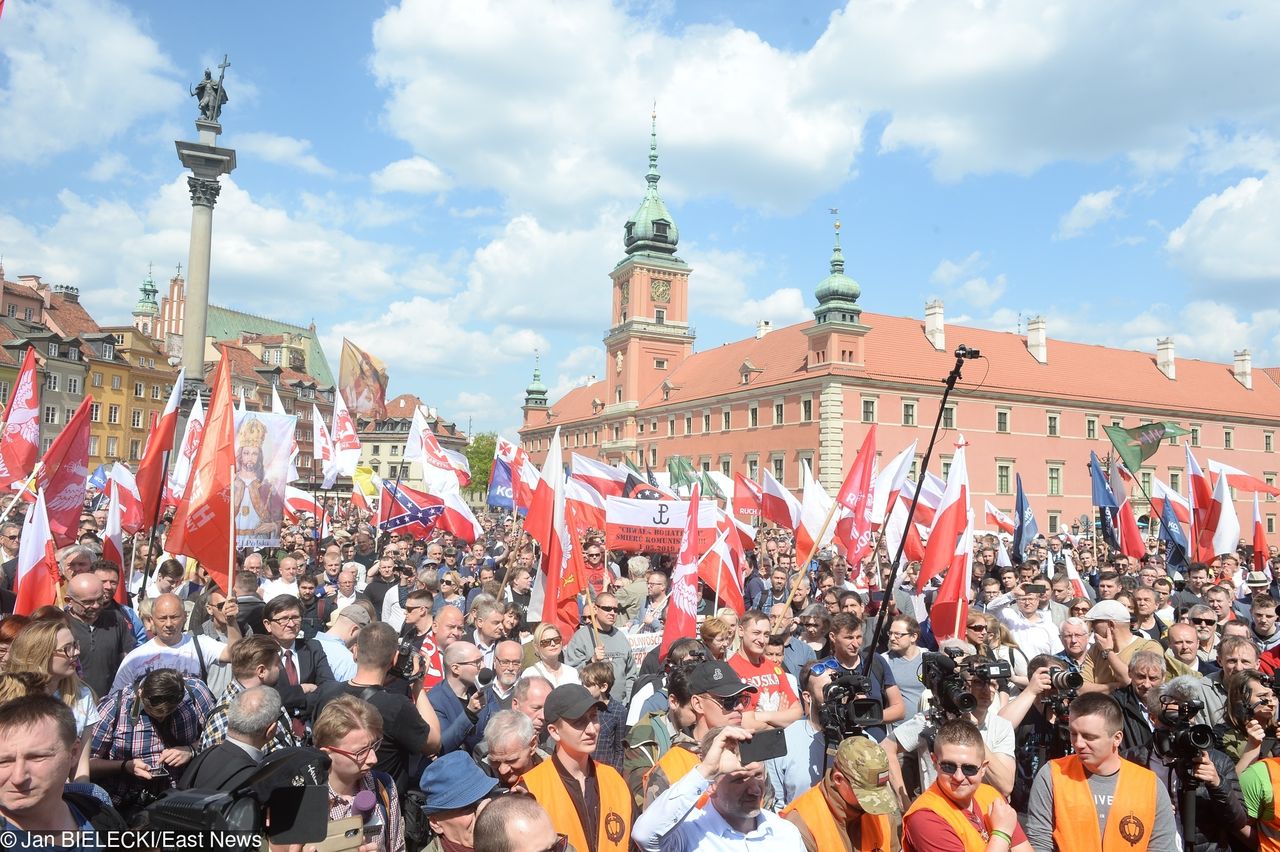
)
(681, 472)
(1140, 443)
(709, 487)
(635, 468)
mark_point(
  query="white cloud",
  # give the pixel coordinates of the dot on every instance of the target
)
(589, 358)
(1091, 209)
(1229, 239)
(729, 104)
(961, 281)
(282, 150)
(721, 288)
(80, 72)
(108, 167)
(950, 271)
(416, 174)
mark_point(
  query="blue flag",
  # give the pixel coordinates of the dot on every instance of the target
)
(1174, 538)
(1105, 499)
(500, 491)
(1026, 529)
(98, 479)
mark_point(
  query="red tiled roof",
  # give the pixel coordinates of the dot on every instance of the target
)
(402, 406)
(244, 364)
(896, 350)
(69, 318)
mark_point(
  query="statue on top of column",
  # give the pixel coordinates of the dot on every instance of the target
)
(211, 94)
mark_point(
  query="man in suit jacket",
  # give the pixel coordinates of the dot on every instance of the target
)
(8, 600)
(304, 666)
(251, 724)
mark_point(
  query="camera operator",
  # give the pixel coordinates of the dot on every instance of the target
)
(411, 728)
(846, 644)
(962, 687)
(1074, 634)
(1119, 803)
(1249, 729)
(802, 766)
(1183, 757)
(959, 811)
(853, 807)
(1038, 715)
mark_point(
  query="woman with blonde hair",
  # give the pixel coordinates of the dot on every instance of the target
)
(49, 648)
(730, 616)
(717, 635)
(349, 730)
(548, 644)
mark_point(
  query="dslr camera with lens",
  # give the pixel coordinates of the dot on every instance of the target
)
(846, 710)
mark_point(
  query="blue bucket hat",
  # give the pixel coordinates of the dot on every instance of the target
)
(453, 782)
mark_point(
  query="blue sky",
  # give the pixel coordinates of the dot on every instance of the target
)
(446, 182)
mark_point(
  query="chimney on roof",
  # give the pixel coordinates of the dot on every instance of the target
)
(1164, 357)
(763, 327)
(71, 294)
(933, 326)
(1037, 343)
(1243, 369)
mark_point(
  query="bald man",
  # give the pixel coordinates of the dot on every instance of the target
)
(174, 648)
(459, 703)
(105, 635)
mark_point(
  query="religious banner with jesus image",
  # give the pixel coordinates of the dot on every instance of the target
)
(263, 446)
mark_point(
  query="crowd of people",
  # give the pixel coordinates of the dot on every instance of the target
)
(1125, 704)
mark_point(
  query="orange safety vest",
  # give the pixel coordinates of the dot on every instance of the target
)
(676, 764)
(812, 808)
(614, 832)
(1075, 819)
(1269, 829)
(937, 802)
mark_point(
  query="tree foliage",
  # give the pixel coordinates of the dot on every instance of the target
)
(480, 456)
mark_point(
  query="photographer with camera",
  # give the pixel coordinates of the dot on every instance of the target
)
(846, 645)
(959, 810)
(1249, 732)
(1200, 778)
(853, 807)
(1120, 804)
(411, 728)
(960, 685)
(1038, 715)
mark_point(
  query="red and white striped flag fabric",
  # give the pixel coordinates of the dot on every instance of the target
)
(777, 504)
(132, 517)
(998, 519)
(1131, 541)
(1260, 552)
(113, 540)
(856, 496)
(458, 518)
(890, 481)
(718, 570)
(440, 473)
(1242, 481)
(949, 523)
(747, 495)
(37, 582)
(604, 478)
(1223, 524)
(186, 454)
(590, 503)
(346, 442)
(1161, 493)
(1200, 496)
(682, 605)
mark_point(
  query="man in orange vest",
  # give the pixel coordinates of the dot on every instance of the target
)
(587, 801)
(1094, 800)
(958, 811)
(853, 807)
(717, 698)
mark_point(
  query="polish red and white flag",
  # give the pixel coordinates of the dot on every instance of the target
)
(1161, 494)
(777, 504)
(1242, 481)
(20, 434)
(998, 519)
(37, 581)
(604, 478)
(1260, 552)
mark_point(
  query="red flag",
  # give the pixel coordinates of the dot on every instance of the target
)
(559, 580)
(1200, 495)
(37, 581)
(20, 436)
(856, 496)
(604, 478)
(949, 523)
(1161, 493)
(1131, 542)
(682, 603)
(998, 519)
(1241, 481)
(202, 527)
(458, 519)
(746, 496)
(539, 522)
(155, 457)
(1259, 538)
(717, 569)
(63, 476)
(357, 499)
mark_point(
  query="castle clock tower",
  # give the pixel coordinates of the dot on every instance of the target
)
(650, 333)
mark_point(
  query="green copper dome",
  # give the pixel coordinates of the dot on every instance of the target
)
(838, 293)
(536, 392)
(652, 228)
(147, 306)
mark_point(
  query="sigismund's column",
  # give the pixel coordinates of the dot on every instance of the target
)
(207, 163)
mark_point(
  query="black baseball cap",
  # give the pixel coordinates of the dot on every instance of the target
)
(718, 678)
(571, 701)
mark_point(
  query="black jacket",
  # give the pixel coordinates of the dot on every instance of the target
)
(223, 767)
(313, 667)
(1220, 812)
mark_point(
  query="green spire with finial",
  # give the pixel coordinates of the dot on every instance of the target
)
(147, 305)
(536, 393)
(838, 293)
(652, 228)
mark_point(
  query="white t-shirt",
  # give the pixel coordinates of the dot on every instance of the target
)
(154, 654)
(85, 709)
(273, 588)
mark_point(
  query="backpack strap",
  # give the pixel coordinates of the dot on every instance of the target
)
(204, 670)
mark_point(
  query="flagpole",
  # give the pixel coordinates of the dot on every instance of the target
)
(16, 497)
(801, 573)
(151, 538)
(962, 354)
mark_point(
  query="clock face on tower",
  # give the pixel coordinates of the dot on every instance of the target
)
(660, 291)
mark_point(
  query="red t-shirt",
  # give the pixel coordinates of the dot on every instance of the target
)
(926, 830)
(770, 679)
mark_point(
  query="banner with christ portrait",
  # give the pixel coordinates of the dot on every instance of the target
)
(264, 443)
(362, 378)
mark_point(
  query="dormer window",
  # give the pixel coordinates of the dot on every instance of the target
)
(108, 351)
(660, 228)
(73, 354)
(53, 350)
(631, 226)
